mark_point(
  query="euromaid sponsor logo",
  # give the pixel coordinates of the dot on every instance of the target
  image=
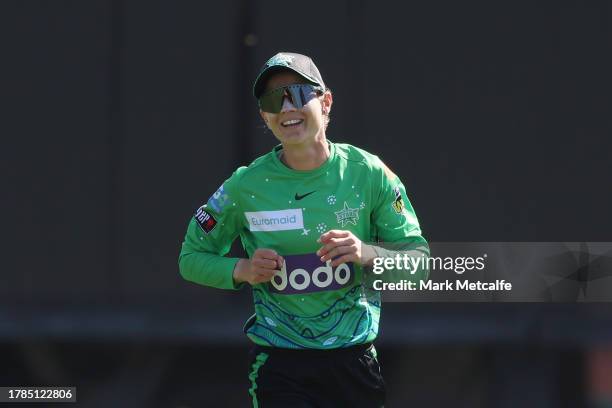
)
(282, 220)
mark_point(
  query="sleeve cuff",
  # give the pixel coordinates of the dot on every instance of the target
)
(228, 270)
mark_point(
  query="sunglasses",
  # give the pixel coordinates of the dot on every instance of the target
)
(299, 95)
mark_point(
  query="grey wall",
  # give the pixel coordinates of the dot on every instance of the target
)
(120, 118)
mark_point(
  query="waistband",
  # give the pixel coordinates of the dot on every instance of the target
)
(357, 349)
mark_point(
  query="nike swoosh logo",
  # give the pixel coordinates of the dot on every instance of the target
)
(299, 197)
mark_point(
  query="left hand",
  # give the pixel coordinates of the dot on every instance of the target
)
(344, 246)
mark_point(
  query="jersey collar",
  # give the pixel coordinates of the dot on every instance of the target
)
(319, 170)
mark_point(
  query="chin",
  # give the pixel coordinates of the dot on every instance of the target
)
(294, 138)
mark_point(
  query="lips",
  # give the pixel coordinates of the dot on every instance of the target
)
(292, 122)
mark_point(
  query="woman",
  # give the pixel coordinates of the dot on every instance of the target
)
(303, 212)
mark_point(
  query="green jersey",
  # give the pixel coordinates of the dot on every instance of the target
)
(308, 303)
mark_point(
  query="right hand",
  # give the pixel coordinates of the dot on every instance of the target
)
(262, 267)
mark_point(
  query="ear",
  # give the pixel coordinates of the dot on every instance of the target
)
(326, 102)
(263, 116)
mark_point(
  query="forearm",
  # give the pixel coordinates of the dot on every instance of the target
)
(399, 261)
(208, 269)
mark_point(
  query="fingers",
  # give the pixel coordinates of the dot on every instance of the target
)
(265, 253)
(263, 275)
(339, 246)
(333, 234)
(262, 267)
(257, 275)
(267, 258)
(264, 263)
(352, 257)
(335, 243)
(337, 251)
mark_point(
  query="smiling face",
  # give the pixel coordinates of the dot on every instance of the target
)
(293, 126)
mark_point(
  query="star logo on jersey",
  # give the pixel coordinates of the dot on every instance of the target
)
(347, 215)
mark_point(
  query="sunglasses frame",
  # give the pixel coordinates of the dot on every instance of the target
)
(292, 92)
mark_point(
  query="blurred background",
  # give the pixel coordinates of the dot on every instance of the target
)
(120, 118)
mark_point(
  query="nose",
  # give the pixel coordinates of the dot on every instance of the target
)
(287, 104)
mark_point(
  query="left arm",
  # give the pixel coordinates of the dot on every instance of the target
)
(394, 222)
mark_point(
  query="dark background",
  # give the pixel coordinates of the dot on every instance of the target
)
(120, 118)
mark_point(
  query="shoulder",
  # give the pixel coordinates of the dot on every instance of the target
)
(360, 156)
(354, 154)
(247, 174)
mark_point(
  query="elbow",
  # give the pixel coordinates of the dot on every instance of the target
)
(183, 264)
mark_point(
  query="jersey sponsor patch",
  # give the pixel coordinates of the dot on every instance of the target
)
(219, 199)
(282, 220)
(205, 220)
(398, 202)
(307, 274)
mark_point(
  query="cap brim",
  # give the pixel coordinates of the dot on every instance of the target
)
(262, 78)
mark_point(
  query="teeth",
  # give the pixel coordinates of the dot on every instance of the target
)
(292, 122)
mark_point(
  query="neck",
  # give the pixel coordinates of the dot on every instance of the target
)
(305, 157)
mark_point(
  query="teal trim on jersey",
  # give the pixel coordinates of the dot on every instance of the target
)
(259, 361)
(309, 304)
(374, 352)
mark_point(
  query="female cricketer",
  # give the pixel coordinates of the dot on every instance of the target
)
(305, 213)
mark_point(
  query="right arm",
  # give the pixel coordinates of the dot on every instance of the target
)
(209, 237)
(203, 263)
